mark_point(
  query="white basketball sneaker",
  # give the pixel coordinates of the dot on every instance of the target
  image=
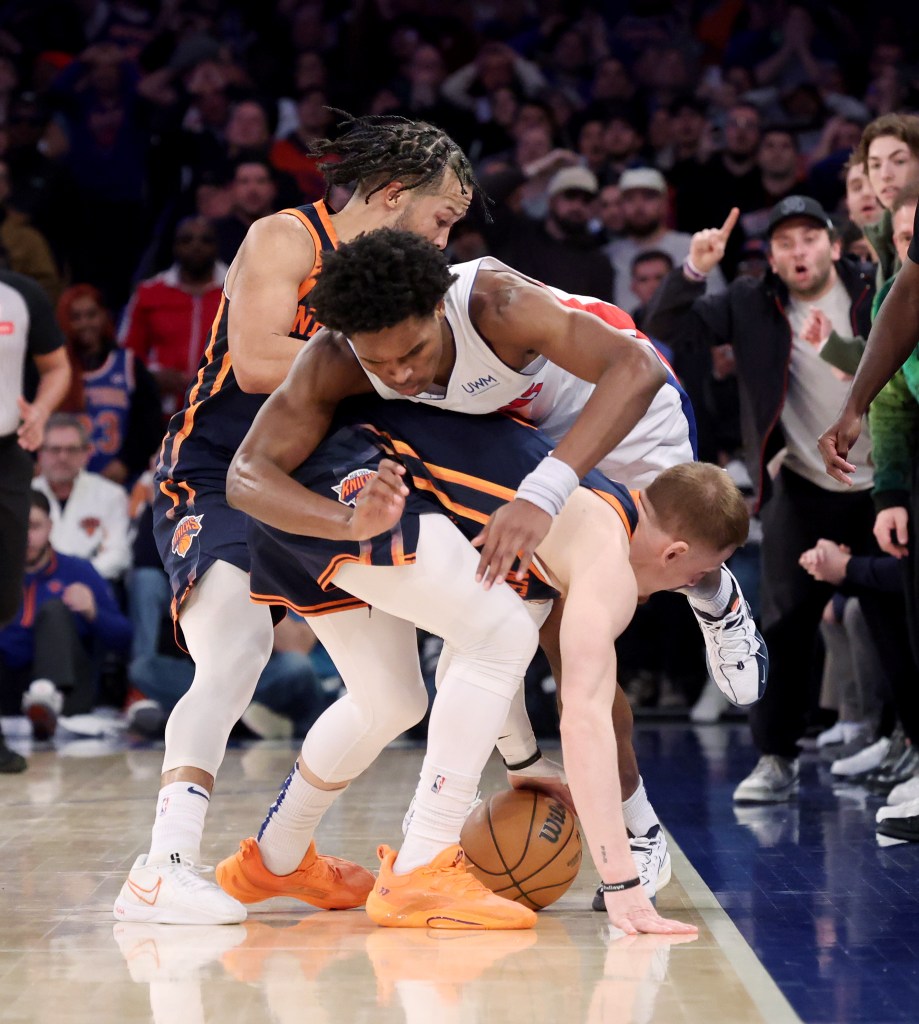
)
(174, 893)
(652, 864)
(734, 649)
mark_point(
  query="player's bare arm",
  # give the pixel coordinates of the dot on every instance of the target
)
(263, 286)
(520, 320)
(893, 337)
(587, 554)
(286, 431)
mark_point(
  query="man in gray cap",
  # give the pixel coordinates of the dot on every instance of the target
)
(561, 250)
(787, 392)
(646, 209)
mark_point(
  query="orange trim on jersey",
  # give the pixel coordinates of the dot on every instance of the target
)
(165, 488)
(341, 605)
(189, 417)
(466, 513)
(454, 477)
(613, 501)
(307, 286)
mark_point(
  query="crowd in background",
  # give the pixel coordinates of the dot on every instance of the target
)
(139, 140)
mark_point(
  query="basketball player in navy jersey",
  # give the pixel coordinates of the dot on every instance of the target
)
(419, 567)
(409, 175)
(482, 339)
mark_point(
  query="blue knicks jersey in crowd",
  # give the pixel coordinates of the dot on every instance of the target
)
(107, 395)
(462, 466)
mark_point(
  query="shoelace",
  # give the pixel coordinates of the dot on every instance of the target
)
(734, 638)
(464, 881)
(191, 878)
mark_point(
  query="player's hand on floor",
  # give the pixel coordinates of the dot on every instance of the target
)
(545, 776)
(633, 913)
(380, 504)
(516, 528)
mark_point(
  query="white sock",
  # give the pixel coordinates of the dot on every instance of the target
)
(517, 742)
(442, 801)
(638, 813)
(713, 599)
(179, 824)
(287, 831)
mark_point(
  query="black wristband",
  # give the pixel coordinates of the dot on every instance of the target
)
(619, 886)
(523, 764)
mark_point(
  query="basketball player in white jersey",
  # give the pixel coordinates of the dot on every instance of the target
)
(496, 340)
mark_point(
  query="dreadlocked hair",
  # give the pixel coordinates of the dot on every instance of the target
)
(379, 280)
(376, 149)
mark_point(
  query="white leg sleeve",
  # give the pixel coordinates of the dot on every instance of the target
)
(376, 655)
(230, 640)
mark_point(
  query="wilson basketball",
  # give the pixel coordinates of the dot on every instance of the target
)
(524, 846)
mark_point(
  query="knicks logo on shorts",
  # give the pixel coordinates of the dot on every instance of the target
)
(349, 488)
(189, 527)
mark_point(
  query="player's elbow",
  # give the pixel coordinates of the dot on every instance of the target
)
(241, 482)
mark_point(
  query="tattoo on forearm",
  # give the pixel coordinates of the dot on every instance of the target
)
(603, 854)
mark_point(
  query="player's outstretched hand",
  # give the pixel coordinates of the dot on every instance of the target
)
(836, 442)
(380, 504)
(516, 528)
(632, 912)
(545, 776)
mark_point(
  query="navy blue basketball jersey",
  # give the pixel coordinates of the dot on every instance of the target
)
(463, 466)
(203, 436)
(107, 392)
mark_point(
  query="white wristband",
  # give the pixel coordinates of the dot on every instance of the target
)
(549, 485)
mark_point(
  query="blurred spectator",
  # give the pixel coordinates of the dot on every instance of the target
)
(26, 248)
(782, 381)
(590, 145)
(705, 193)
(648, 270)
(560, 250)
(49, 656)
(253, 194)
(495, 66)
(42, 188)
(111, 390)
(102, 136)
(609, 209)
(645, 207)
(291, 154)
(862, 204)
(689, 134)
(777, 162)
(623, 141)
(88, 512)
(169, 316)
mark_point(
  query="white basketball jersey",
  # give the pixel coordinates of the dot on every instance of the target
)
(549, 396)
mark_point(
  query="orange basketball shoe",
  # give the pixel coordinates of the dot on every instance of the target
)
(442, 894)
(326, 882)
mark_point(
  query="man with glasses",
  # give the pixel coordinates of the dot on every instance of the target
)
(561, 250)
(89, 513)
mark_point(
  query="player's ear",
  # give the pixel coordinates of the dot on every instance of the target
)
(440, 310)
(674, 551)
(392, 194)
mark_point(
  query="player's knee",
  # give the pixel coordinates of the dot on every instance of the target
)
(498, 656)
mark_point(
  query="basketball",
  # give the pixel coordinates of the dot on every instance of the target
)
(523, 845)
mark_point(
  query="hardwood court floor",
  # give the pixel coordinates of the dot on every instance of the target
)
(75, 821)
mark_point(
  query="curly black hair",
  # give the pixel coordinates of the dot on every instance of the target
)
(378, 280)
(376, 149)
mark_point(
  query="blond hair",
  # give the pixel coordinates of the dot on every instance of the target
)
(699, 503)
